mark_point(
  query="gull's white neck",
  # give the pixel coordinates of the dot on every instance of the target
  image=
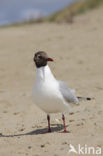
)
(44, 73)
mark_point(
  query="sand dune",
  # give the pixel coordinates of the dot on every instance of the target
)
(78, 53)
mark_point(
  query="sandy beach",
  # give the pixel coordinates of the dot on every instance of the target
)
(77, 50)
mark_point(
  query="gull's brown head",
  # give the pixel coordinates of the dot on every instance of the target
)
(41, 58)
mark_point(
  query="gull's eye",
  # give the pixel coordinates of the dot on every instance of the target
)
(39, 56)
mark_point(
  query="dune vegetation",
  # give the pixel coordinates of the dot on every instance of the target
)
(79, 7)
(65, 15)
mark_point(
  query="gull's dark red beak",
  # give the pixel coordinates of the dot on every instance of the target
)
(50, 59)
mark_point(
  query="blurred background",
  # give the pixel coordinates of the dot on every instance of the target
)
(14, 11)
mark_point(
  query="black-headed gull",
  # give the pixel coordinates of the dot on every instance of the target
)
(51, 95)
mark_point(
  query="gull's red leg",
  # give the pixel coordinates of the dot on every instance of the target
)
(63, 118)
(48, 118)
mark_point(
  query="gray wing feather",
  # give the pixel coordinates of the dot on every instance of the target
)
(68, 93)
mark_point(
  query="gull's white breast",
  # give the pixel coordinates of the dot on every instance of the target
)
(46, 92)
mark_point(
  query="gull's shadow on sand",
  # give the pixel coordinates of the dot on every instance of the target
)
(56, 128)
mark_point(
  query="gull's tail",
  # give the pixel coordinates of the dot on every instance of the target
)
(84, 98)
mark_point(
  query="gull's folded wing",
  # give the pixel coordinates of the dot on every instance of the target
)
(68, 93)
